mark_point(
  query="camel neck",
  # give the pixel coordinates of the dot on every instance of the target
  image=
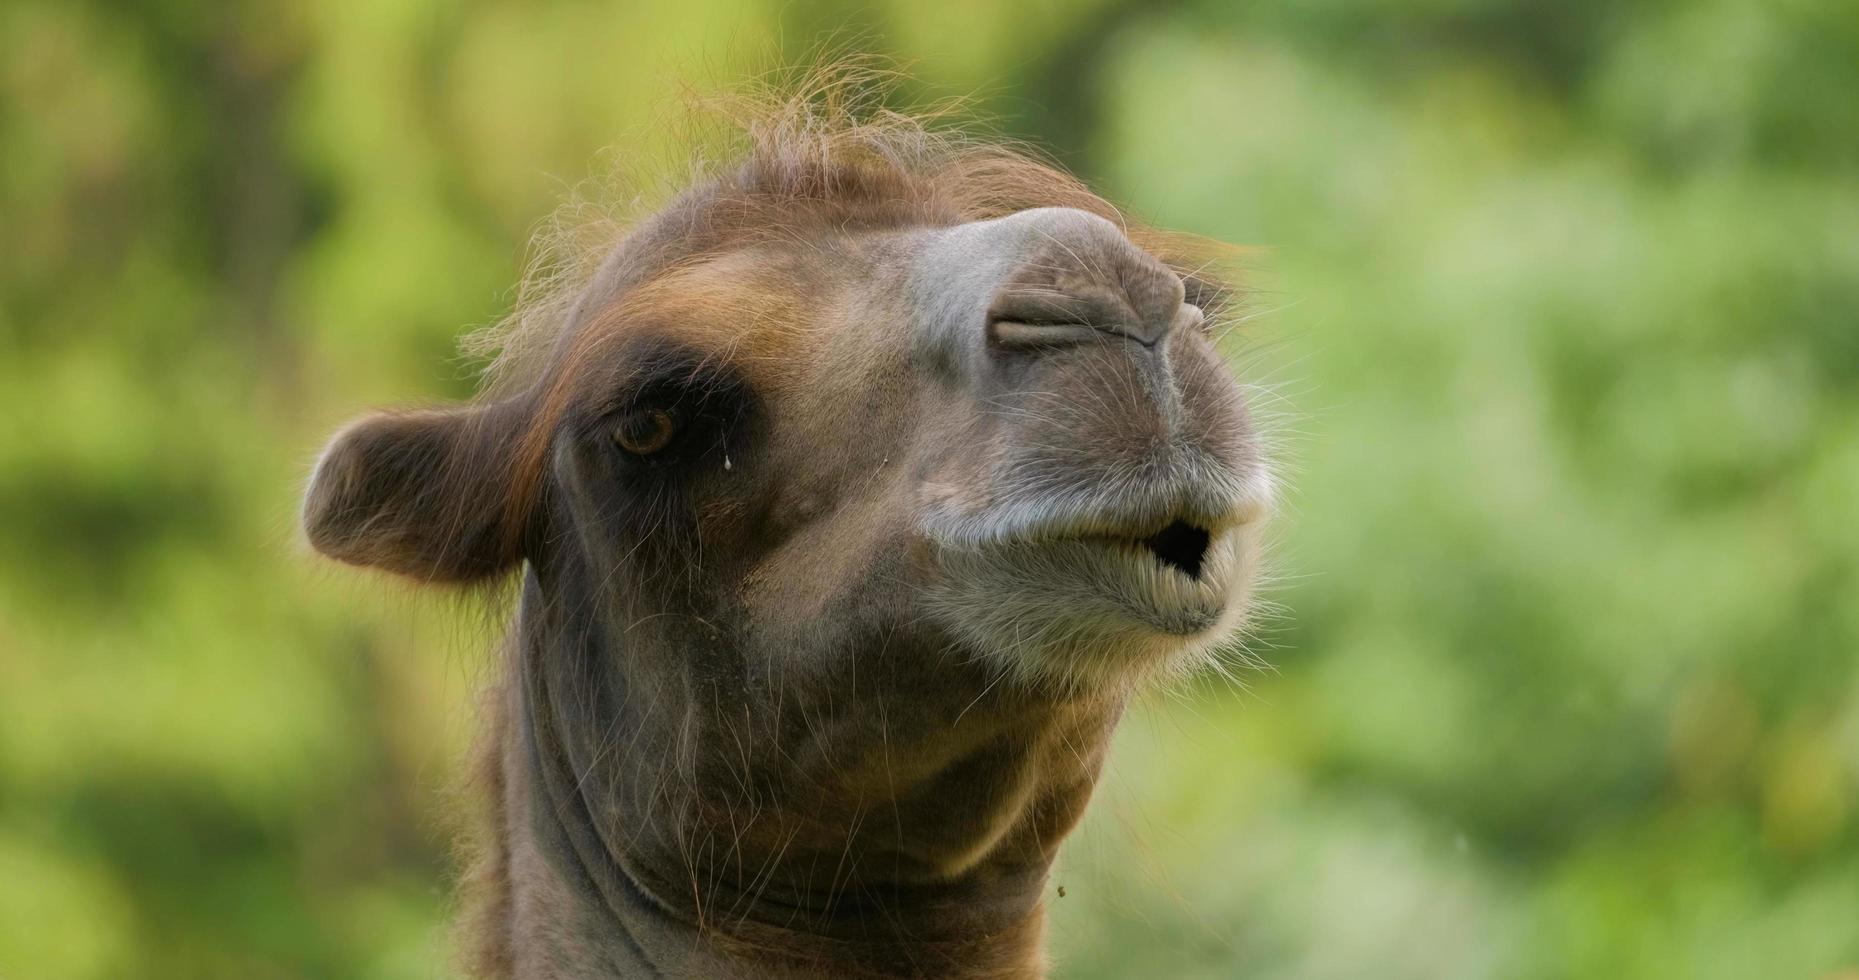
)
(616, 871)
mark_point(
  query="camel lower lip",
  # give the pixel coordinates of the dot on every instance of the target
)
(1172, 581)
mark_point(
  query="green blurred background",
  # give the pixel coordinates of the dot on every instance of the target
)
(1559, 324)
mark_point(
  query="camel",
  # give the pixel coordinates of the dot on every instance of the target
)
(847, 500)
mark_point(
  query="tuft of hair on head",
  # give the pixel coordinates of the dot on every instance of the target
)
(821, 148)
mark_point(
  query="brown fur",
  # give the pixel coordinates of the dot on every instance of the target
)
(785, 696)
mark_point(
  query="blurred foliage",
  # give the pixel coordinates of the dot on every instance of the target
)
(1557, 330)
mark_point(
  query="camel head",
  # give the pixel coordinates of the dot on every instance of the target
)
(852, 494)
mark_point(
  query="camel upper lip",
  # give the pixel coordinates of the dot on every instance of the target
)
(1215, 501)
(1132, 526)
(1038, 521)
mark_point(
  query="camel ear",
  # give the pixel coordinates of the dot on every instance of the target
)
(427, 494)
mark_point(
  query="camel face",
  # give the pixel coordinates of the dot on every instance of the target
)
(1015, 432)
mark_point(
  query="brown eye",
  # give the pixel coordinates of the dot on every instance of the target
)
(645, 431)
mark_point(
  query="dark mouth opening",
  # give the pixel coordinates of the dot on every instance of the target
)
(1181, 546)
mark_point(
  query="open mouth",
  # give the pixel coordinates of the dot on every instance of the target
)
(1106, 585)
(1171, 565)
(1087, 579)
(1181, 546)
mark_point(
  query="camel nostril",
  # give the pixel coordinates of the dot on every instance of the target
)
(1023, 336)
(1046, 318)
(1181, 546)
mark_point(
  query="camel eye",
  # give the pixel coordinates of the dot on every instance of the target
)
(645, 431)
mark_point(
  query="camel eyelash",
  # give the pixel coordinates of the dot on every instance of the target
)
(677, 412)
